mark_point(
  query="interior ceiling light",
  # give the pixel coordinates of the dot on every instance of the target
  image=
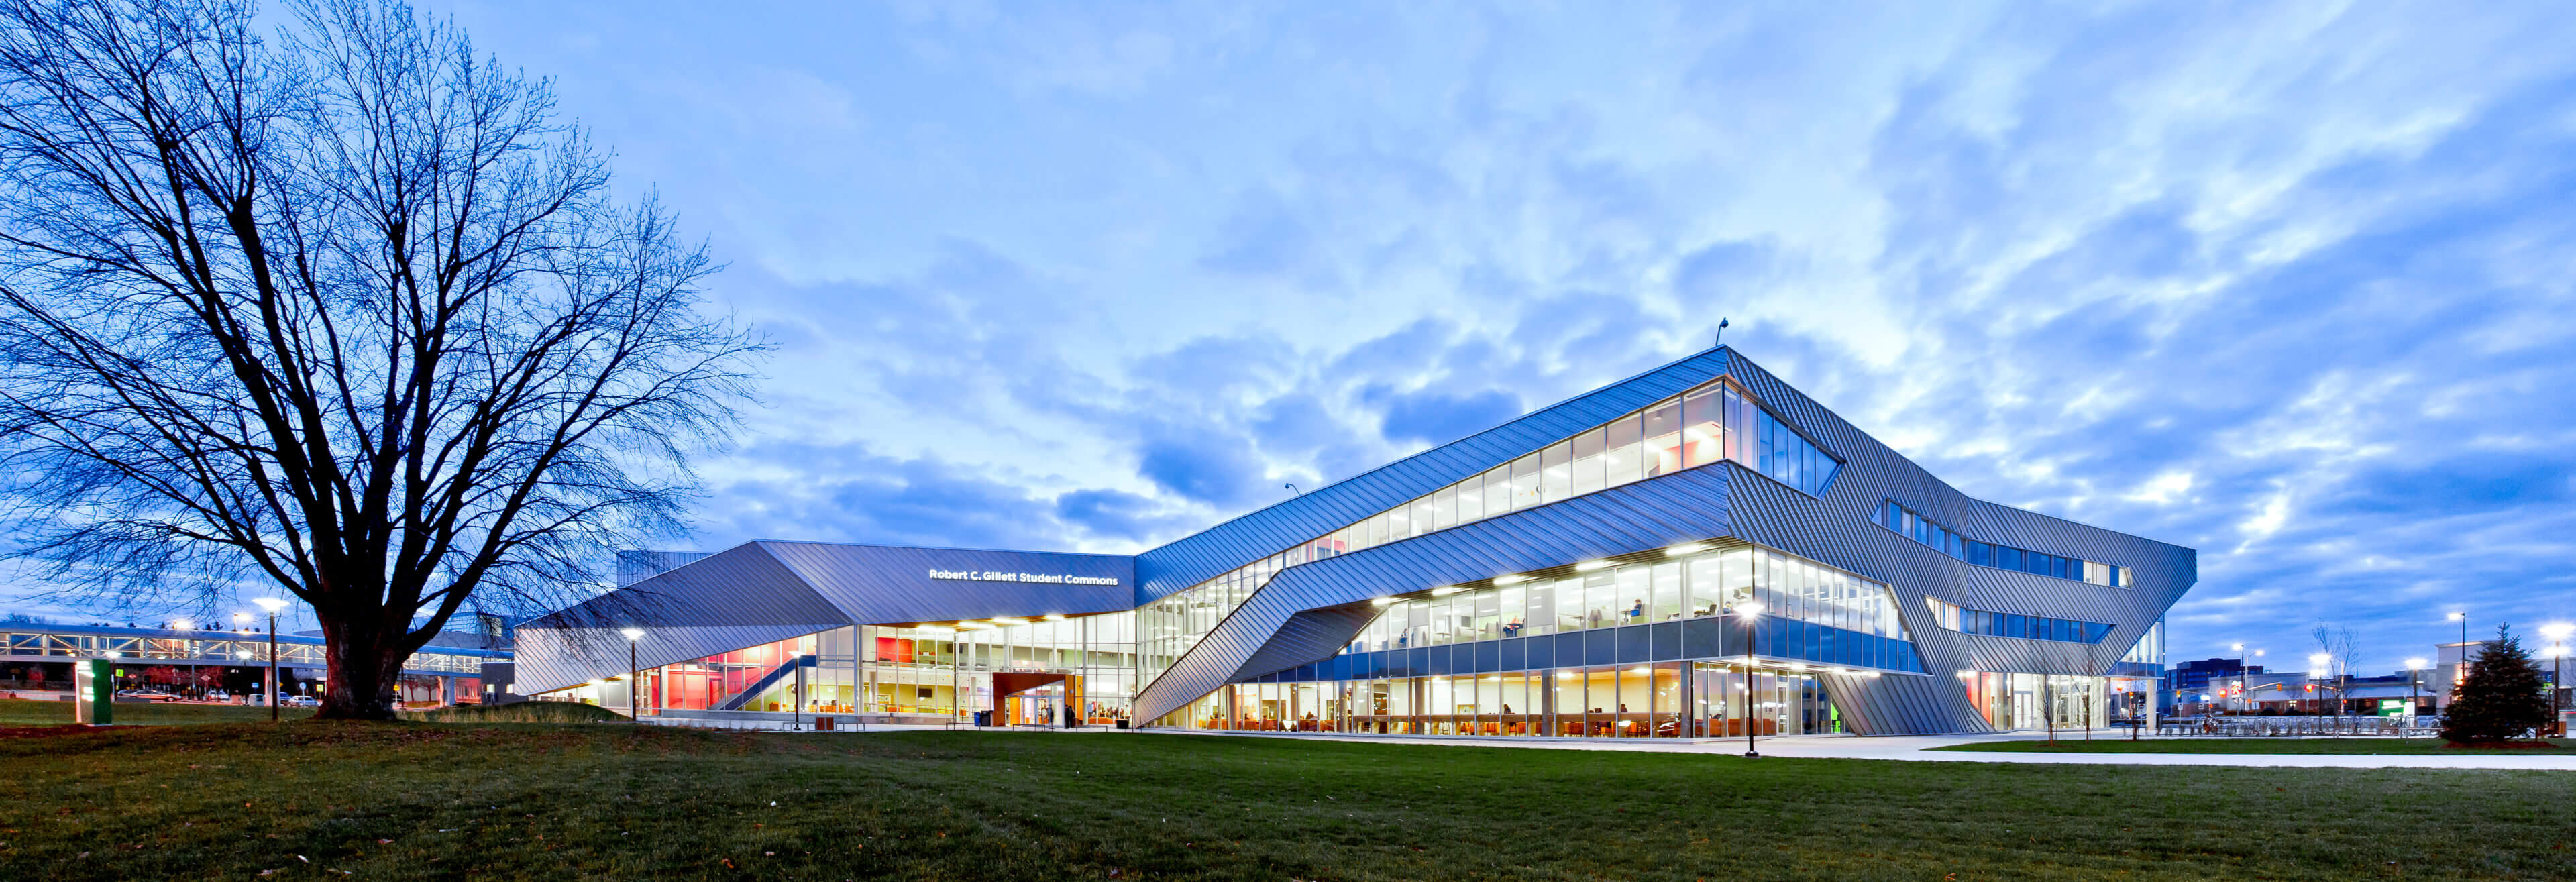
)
(1446, 590)
(1382, 601)
(1590, 565)
(1685, 548)
(1510, 580)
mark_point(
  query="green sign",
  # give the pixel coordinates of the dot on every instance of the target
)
(93, 692)
(2392, 707)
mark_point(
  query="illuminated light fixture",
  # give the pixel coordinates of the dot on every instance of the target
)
(270, 603)
(242, 654)
(1382, 601)
(1446, 590)
(1006, 620)
(1494, 679)
(1510, 580)
(1565, 675)
(633, 633)
(183, 625)
(1749, 608)
(2415, 664)
(1640, 670)
(1055, 617)
(1590, 565)
(968, 626)
(1685, 548)
(1869, 673)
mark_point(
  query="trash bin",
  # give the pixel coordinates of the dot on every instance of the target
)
(983, 718)
(1122, 724)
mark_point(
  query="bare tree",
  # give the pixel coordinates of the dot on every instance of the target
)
(2340, 646)
(342, 309)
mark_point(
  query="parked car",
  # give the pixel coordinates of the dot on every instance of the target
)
(147, 694)
(299, 701)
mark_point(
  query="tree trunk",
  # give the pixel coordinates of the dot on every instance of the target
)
(365, 667)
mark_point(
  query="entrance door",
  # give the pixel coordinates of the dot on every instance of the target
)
(1042, 706)
(2025, 710)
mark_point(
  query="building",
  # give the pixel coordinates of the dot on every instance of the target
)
(37, 657)
(1696, 551)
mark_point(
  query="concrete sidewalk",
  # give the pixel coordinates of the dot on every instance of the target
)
(1919, 749)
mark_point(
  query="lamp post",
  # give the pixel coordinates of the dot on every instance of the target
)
(2557, 634)
(2244, 681)
(2414, 686)
(2460, 669)
(2320, 666)
(634, 675)
(1748, 611)
(272, 605)
(241, 624)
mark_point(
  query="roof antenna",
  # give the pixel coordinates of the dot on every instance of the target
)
(1721, 332)
(1293, 489)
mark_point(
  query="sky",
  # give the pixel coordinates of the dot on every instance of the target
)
(2285, 283)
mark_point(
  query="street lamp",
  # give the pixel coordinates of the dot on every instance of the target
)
(2320, 665)
(633, 677)
(2245, 680)
(1748, 611)
(272, 605)
(2414, 686)
(2557, 634)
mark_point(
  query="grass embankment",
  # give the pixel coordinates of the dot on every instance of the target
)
(522, 712)
(21, 712)
(2360, 746)
(422, 801)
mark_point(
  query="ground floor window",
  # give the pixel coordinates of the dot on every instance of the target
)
(2040, 701)
(1668, 700)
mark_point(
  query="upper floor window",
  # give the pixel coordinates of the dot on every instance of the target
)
(1921, 529)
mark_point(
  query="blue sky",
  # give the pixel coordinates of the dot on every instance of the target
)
(2288, 284)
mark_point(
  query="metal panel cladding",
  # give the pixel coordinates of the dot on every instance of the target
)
(1651, 514)
(1279, 527)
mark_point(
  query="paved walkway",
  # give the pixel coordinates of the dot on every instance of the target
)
(1909, 748)
(1919, 749)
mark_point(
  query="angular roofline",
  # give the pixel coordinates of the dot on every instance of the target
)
(1427, 451)
(926, 548)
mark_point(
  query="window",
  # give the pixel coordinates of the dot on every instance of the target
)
(1994, 624)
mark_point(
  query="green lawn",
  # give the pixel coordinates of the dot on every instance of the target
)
(424, 801)
(19, 712)
(2421, 746)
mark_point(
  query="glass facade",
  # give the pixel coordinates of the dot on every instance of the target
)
(1715, 422)
(1995, 624)
(1921, 529)
(925, 669)
(1640, 650)
(1691, 584)
(1661, 700)
(2038, 701)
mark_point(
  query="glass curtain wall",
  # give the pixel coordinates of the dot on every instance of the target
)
(926, 669)
(2033, 701)
(1668, 700)
(1690, 586)
(1713, 423)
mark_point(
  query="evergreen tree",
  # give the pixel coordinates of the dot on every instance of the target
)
(2503, 697)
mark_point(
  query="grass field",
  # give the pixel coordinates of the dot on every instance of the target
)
(2370, 746)
(426, 801)
(18, 712)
